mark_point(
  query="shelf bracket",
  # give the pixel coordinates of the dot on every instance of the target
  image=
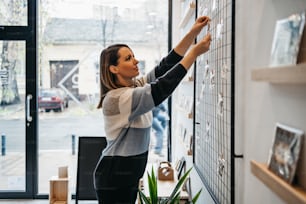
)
(238, 156)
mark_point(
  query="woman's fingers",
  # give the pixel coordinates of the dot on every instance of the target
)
(204, 19)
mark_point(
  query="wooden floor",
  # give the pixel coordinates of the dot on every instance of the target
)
(40, 201)
(24, 201)
(153, 158)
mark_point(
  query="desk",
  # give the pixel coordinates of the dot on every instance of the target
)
(164, 188)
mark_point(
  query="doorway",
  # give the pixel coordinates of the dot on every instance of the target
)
(17, 99)
(49, 80)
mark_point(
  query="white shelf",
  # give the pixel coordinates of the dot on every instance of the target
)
(188, 13)
(295, 74)
(289, 193)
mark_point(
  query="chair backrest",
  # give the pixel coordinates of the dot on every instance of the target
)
(89, 152)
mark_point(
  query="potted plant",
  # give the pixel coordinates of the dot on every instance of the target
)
(174, 197)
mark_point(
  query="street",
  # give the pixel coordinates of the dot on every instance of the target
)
(55, 129)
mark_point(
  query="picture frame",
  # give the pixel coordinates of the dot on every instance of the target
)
(286, 41)
(285, 151)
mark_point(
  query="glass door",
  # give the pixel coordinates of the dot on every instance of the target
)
(13, 101)
(17, 94)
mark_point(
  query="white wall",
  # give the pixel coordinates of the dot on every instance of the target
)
(258, 105)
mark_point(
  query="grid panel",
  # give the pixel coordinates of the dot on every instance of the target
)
(213, 85)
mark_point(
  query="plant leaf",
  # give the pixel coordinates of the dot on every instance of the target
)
(175, 199)
(181, 181)
(152, 182)
(143, 198)
(195, 198)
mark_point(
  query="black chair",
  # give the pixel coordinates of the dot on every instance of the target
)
(90, 149)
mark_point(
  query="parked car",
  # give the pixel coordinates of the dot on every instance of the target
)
(53, 99)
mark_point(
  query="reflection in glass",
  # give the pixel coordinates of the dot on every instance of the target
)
(12, 115)
(13, 12)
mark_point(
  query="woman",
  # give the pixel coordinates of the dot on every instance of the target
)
(127, 109)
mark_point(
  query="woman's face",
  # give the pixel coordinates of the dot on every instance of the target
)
(127, 64)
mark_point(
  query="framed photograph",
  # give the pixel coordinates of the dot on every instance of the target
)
(286, 41)
(285, 151)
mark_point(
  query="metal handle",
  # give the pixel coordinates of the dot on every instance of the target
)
(29, 117)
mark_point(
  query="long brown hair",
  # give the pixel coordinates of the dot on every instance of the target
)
(109, 56)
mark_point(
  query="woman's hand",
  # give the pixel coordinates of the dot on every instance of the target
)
(203, 45)
(184, 44)
(199, 24)
(200, 48)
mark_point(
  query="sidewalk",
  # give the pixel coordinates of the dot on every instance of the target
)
(12, 167)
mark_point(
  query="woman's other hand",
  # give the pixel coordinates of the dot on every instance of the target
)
(200, 48)
(199, 24)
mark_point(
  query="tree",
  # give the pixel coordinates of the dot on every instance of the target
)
(108, 17)
(10, 94)
(9, 56)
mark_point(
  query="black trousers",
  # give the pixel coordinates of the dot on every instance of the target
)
(116, 178)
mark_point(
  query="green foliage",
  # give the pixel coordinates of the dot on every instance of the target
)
(174, 198)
